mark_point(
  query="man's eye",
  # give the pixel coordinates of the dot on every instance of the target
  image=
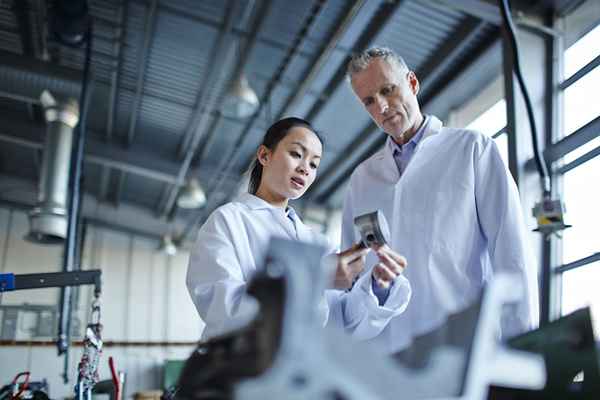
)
(368, 102)
(387, 90)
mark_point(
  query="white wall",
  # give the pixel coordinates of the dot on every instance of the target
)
(144, 299)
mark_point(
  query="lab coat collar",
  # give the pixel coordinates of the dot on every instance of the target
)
(431, 126)
(256, 203)
(386, 155)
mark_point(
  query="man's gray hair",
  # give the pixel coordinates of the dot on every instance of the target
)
(359, 62)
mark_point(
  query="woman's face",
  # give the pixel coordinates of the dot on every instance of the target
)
(290, 169)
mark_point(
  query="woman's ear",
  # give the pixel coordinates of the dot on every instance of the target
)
(263, 154)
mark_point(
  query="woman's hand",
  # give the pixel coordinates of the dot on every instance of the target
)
(350, 264)
(390, 265)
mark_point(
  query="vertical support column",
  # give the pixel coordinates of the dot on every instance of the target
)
(552, 251)
(537, 57)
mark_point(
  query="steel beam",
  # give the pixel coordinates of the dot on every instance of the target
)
(361, 139)
(141, 69)
(324, 54)
(21, 10)
(121, 179)
(483, 10)
(233, 155)
(581, 136)
(385, 13)
(193, 127)
(240, 34)
(579, 263)
(142, 163)
(209, 98)
(115, 74)
(580, 74)
(114, 88)
(580, 160)
(134, 220)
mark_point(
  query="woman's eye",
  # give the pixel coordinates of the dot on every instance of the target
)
(313, 165)
(295, 154)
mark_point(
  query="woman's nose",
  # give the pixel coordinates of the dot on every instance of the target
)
(302, 168)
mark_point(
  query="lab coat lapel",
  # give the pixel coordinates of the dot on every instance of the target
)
(390, 169)
(433, 127)
(304, 232)
(256, 203)
(284, 222)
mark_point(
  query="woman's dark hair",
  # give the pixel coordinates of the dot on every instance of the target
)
(274, 135)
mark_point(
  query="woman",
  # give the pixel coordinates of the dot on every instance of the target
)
(232, 243)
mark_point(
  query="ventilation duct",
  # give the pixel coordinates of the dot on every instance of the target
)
(48, 220)
(24, 78)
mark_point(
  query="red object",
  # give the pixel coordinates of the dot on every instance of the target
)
(115, 378)
(23, 385)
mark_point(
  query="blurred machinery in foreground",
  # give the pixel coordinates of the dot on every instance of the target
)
(286, 354)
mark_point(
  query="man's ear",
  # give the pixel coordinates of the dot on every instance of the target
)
(263, 155)
(413, 82)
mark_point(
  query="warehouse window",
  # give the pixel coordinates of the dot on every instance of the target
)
(492, 122)
(580, 172)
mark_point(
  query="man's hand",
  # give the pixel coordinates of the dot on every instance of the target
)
(390, 265)
(350, 263)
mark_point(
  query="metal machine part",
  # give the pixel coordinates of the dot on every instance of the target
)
(48, 220)
(569, 348)
(317, 364)
(373, 229)
(285, 352)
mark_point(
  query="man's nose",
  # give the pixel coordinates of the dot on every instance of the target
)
(382, 105)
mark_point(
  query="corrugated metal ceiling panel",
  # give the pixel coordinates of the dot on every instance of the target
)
(178, 60)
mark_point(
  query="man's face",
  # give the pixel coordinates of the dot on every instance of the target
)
(389, 93)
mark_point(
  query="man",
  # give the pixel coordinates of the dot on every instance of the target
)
(452, 206)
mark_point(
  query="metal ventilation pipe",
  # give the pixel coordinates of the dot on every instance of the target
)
(48, 220)
(23, 78)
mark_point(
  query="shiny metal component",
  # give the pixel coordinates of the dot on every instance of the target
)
(48, 220)
(287, 354)
(324, 364)
(373, 228)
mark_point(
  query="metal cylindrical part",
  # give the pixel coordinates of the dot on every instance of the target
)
(48, 220)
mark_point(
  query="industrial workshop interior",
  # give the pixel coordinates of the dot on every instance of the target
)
(299, 199)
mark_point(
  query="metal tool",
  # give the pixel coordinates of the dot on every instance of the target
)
(373, 229)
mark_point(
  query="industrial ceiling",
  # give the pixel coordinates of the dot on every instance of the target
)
(160, 72)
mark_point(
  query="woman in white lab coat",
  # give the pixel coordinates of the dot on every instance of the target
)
(231, 245)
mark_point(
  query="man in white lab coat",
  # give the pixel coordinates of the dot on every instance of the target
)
(453, 208)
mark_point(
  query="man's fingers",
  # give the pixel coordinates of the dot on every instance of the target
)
(391, 264)
(385, 250)
(383, 284)
(382, 272)
(353, 254)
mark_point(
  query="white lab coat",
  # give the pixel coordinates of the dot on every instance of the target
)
(455, 215)
(231, 246)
